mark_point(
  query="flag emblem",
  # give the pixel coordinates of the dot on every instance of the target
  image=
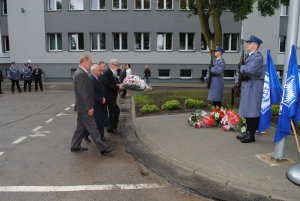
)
(290, 96)
(266, 101)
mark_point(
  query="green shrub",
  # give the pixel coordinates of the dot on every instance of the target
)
(298, 125)
(171, 105)
(193, 104)
(275, 110)
(149, 109)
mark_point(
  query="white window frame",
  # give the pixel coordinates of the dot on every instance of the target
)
(279, 44)
(5, 44)
(98, 5)
(76, 9)
(142, 42)
(284, 11)
(184, 77)
(55, 6)
(165, 42)
(98, 42)
(143, 5)
(56, 42)
(120, 5)
(187, 5)
(186, 43)
(2, 2)
(230, 42)
(120, 41)
(77, 46)
(164, 77)
(165, 4)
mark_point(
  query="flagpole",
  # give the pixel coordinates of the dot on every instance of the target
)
(296, 137)
(292, 34)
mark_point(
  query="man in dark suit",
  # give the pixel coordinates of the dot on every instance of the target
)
(111, 88)
(99, 99)
(123, 75)
(37, 77)
(84, 105)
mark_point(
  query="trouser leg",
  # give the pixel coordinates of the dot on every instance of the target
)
(36, 85)
(0, 88)
(114, 113)
(29, 85)
(18, 85)
(78, 134)
(25, 85)
(13, 82)
(41, 84)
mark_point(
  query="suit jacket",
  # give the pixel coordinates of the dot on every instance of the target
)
(110, 85)
(84, 93)
(37, 74)
(123, 75)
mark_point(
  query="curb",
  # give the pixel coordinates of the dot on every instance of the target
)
(185, 176)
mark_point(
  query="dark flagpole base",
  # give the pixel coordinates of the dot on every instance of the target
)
(293, 174)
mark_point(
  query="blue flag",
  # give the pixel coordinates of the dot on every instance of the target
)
(272, 94)
(290, 99)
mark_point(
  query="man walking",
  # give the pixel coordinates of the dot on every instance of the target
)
(27, 76)
(147, 74)
(111, 87)
(217, 83)
(251, 89)
(84, 105)
(14, 75)
(37, 76)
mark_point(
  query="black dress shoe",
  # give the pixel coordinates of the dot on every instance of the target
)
(79, 149)
(107, 150)
(248, 139)
(105, 139)
(87, 139)
(242, 135)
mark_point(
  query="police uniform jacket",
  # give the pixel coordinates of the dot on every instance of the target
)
(14, 73)
(252, 85)
(217, 82)
(27, 73)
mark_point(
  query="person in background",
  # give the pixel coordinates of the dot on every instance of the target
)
(1, 80)
(27, 76)
(102, 66)
(128, 69)
(122, 78)
(37, 76)
(217, 82)
(147, 74)
(14, 76)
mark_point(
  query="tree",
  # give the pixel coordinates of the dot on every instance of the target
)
(206, 9)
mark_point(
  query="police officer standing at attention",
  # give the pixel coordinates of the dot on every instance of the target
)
(217, 82)
(27, 74)
(14, 76)
(251, 89)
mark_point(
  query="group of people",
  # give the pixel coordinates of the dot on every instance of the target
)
(27, 74)
(96, 102)
(251, 69)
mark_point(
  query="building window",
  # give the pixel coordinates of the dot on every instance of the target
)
(186, 4)
(55, 42)
(4, 7)
(230, 42)
(142, 41)
(284, 10)
(119, 4)
(229, 74)
(6, 48)
(76, 5)
(97, 4)
(186, 41)
(76, 41)
(164, 4)
(164, 73)
(142, 4)
(282, 40)
(98, 41)
(120, 42)
(185, 73)
(204, 46)
(54, 5)
(164, 41)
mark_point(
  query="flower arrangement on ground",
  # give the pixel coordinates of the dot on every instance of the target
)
(134, 82)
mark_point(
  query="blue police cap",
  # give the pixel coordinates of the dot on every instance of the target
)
(218, 49)
(254, 39)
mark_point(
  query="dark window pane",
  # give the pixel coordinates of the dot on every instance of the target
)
(116, 41)
(116, 4)
(102, 41)
(190, 41)
(169, 41)
(203, 43)
(138, 41)
(183, 4)
(160, 4)
(59, 4)
(80, 41)
(282, 43)
(169, 4)
(146, 4)
(146, 41)
(52, 41)
(59, 42)
(185, 73)
(229, 73)
(124, 41)
(234, 42)
(102, 4)
(5, 7)
(124, 4)
(226, 41)
(182, 41)
(138, 4)
(94, 41)
(7, 44)
(163, 73)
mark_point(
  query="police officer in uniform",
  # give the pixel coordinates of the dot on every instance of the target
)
(251, 88)
(217, 82)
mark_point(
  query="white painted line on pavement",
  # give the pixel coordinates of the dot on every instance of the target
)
(108, 187)
(61, 114)
(1, 153)
(49, 120)
(38, 135)
(67, 108)
(19, 140)
(36, 129)
(52, 86)
(72, 105)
